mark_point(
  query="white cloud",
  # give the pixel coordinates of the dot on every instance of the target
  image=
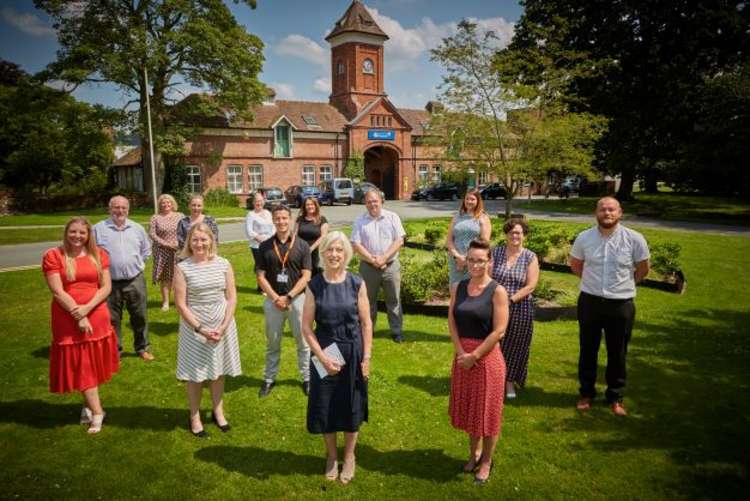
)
(408, 44)
(28, 23)
(322, 85)
(304, 48)
(283, 90)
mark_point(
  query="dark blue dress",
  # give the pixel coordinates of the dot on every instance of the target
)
(338, 403)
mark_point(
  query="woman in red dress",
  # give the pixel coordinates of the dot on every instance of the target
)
(84, 346)
(477, 319)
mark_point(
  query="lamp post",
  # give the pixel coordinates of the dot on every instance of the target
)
(150, 143)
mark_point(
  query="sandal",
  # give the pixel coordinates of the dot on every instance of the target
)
(472, 465)
(332, 469)
(96, 423)
(347, 471)
(86, 415)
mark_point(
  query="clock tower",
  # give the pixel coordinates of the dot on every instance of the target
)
(356, 60)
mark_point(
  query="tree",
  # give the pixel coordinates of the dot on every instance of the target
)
(641, 65)
(47, 137)
(195, 42)
(355, 166)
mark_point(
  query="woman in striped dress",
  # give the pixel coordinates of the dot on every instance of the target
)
(477, 319)
(207, 350)
(516, 269)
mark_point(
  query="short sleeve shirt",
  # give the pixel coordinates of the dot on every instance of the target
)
(609, 261)
(376, 234)
(128, 247)
(299, 259)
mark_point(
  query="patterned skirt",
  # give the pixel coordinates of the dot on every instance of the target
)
(164, 261)
(476, 401)
(516, 344)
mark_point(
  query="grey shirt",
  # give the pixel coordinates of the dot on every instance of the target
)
(609, 261)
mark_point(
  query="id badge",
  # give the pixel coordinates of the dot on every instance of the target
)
(282, 278)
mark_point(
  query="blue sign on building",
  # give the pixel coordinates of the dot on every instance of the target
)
(382, 135)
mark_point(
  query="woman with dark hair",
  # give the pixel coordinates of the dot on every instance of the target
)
(477, 319)
(84, 352)
(312, 226)
(470, 223)
(517, 269)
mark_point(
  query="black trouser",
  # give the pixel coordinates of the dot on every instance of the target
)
(133, 294)
(615, 317)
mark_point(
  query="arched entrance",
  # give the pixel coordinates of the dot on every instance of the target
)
(381, 169)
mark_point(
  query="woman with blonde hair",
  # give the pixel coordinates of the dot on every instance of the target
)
(163, 233)
(470, 223)
(207, 348)
(336, 300)
(84, 352)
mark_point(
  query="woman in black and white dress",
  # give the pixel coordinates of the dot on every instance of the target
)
(207, 350)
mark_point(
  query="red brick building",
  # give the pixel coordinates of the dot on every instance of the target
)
(296, 142)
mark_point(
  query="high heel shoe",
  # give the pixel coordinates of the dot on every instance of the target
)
(347, 471)
(482, 481)
(198, 434)
(96, 423)
(224, 428)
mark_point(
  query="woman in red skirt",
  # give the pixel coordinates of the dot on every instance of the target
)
(477, 319)
(84, 346)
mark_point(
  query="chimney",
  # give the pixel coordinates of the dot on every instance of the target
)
(434, 107)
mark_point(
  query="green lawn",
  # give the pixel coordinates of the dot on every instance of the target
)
(141, 215)
(686, 437)
(663, 205)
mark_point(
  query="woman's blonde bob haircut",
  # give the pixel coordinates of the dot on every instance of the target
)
(203, 228)
(167, 196)
(330, 239)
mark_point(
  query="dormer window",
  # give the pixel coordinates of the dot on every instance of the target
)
(282, 145)
(368, 66)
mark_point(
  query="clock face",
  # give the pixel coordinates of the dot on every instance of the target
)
(368, 67)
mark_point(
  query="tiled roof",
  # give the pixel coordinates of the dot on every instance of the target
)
(357, 19)
(416, 118)
(133, 157)
(304, 115)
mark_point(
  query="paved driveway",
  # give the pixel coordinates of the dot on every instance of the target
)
(30, 255)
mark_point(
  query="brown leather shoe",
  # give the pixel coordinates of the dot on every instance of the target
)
(584, 403)
(146, 356)
(618, 409)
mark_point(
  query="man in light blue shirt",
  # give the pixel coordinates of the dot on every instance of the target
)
(377, 236)
(128, 247)
(610, 259)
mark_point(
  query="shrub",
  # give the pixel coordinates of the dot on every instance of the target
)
(435, 232)
(550, 242)
(422, 281)
(545, 291)
(665, 258)
(220, 197)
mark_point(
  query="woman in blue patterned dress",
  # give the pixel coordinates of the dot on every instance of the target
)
(470, 223)
(516, 269)
(207, 348)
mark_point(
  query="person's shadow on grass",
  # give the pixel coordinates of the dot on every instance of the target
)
(428, 464)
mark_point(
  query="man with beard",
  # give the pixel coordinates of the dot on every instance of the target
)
(610, 259)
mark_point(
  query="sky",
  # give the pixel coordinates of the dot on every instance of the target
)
(297, 58)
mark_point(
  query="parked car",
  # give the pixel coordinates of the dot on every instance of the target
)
(338, 190)
(420, 193)
(442, 191)
(297, 194)
(492, 191)
(273, 195)
(361, 189)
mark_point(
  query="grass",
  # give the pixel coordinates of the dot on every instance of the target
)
(686, 437)
(670, 206)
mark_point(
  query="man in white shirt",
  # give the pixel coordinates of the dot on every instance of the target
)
(377, 236)
(610, 259)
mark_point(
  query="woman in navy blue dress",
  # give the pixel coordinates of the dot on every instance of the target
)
(337, 301)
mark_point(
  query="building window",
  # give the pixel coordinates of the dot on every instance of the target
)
(130, 178)
(340, 68)
(283, 142)
(484, 177)
(326, 173)
(308, 175)
(423, 172)
(194, 178)
(255, 177)
(436, 173)
(368, 66)
(234, 179)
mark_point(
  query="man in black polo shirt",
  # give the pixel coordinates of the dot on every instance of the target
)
(284, 268)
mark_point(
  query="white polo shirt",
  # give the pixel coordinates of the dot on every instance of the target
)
(609, 261)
